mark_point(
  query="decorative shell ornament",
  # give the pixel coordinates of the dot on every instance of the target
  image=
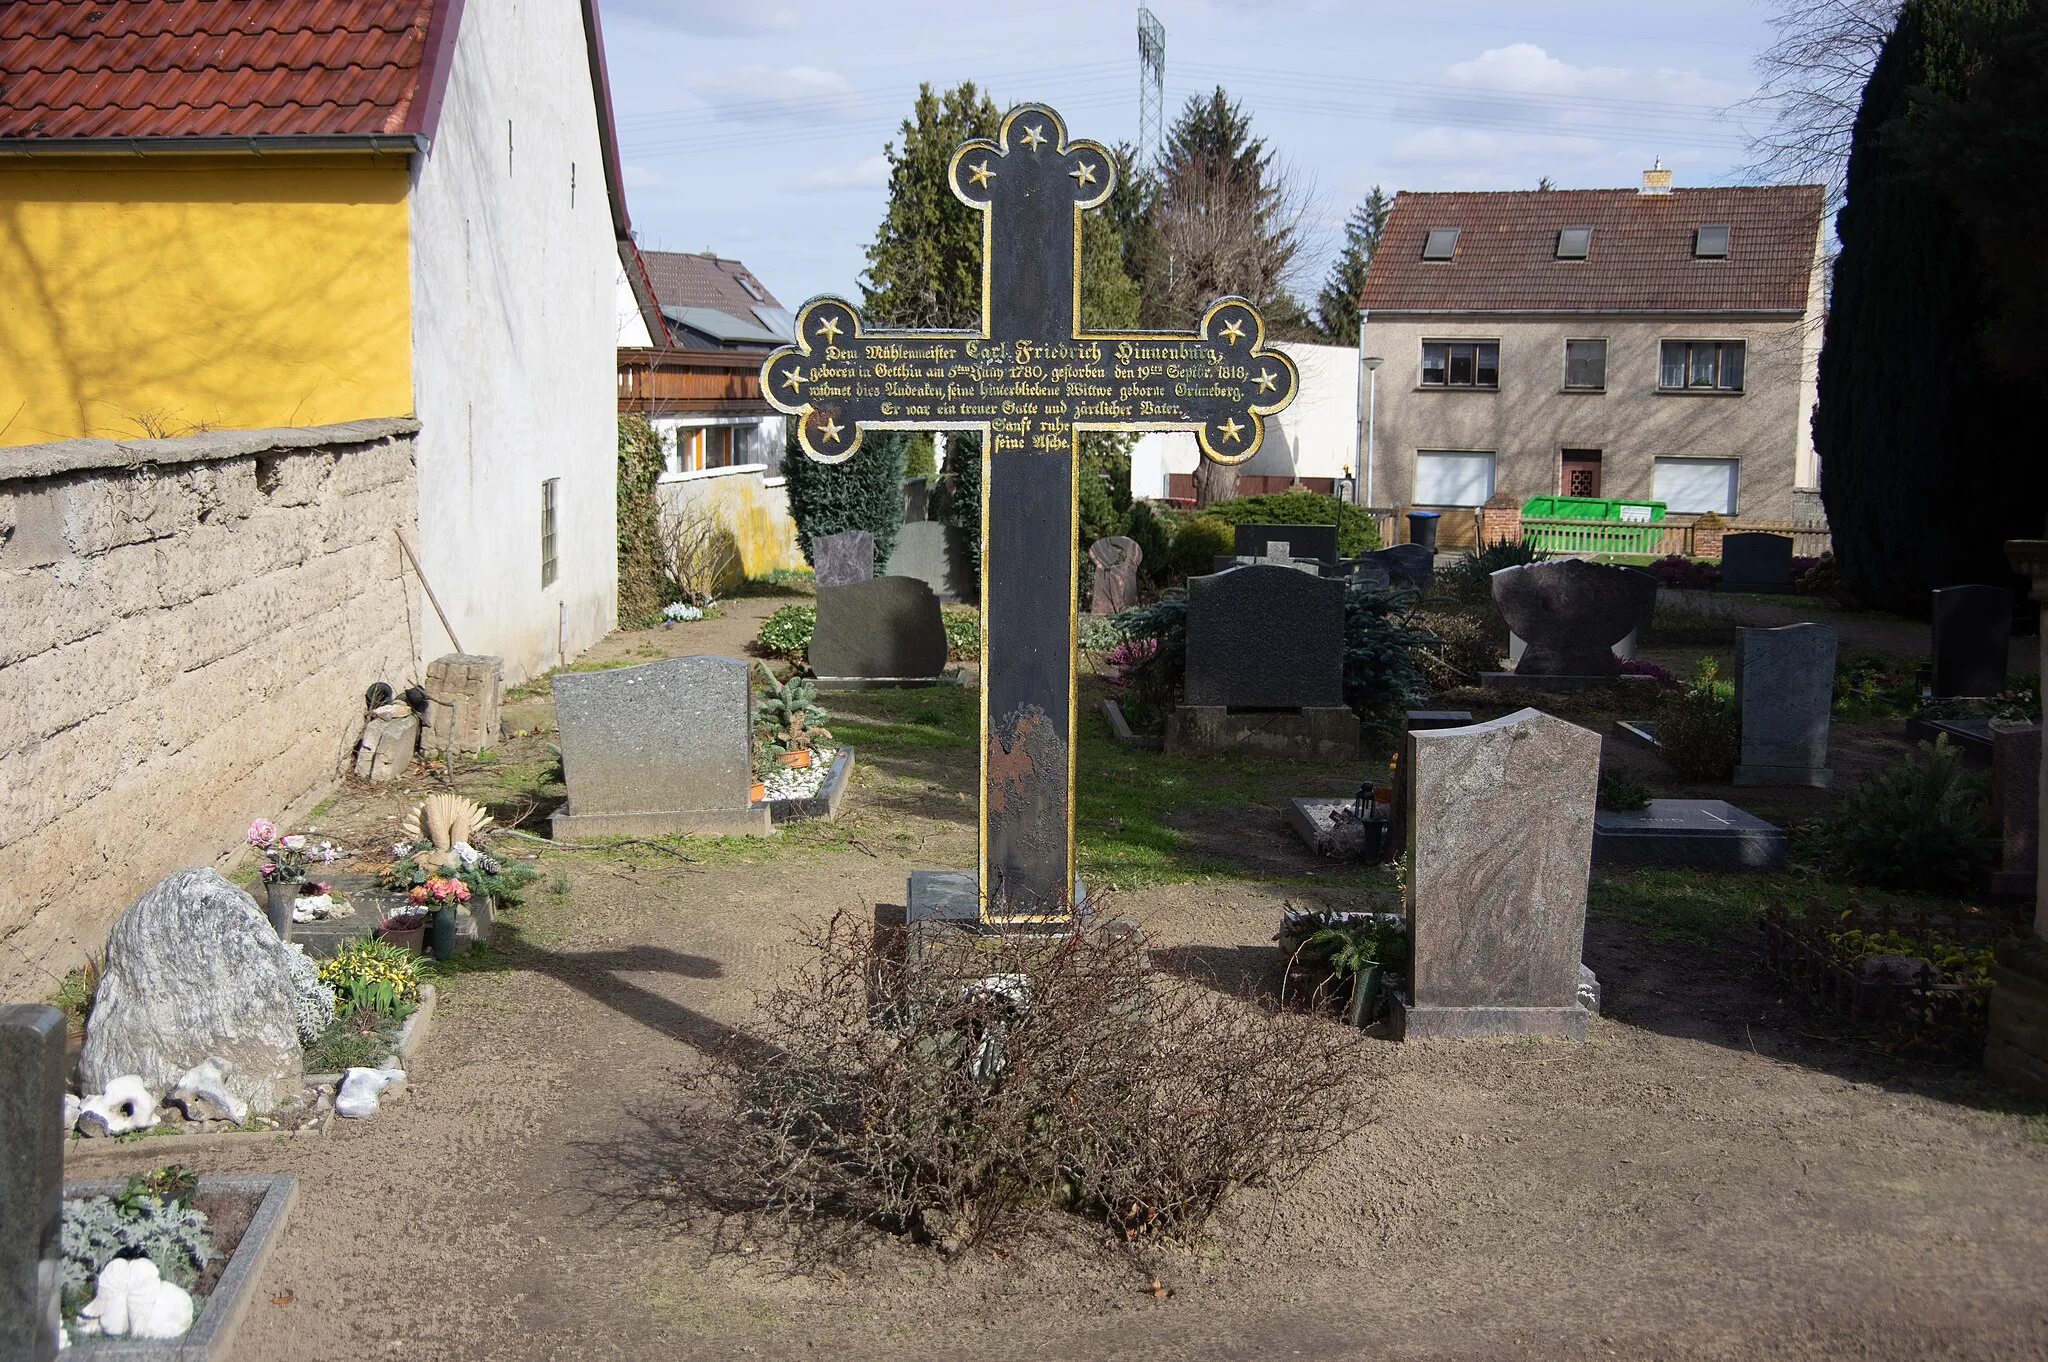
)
(446, 821)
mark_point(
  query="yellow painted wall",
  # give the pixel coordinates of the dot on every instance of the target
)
(755, 517)
(155, 296)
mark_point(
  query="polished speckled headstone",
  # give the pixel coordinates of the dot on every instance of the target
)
(1115, 587)
(1305, 541)
(1265, 638)
(887, 629)
(32, 1066)
(1784, 693)
(1571, 614)
(657, 749)
(1972, 637)
(1756, 562)
(1499, 831)
(848, 556)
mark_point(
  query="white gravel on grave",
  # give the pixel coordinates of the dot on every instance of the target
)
(801, 783)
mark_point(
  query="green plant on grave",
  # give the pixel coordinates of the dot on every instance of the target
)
(1923, 824)
(485, 877)
(787, 632)
(1356, 942)
(963, 632)
(153, 1218)
(372, 976)
(1622, 792)
(787, 718)
(1698, 727)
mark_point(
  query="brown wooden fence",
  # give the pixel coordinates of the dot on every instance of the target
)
(1659, 539)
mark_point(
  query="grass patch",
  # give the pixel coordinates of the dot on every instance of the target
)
(1700, 908)
(781, 582)
(906, 722)
(359, 1041)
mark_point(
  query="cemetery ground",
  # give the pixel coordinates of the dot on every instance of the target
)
(1723, 1170)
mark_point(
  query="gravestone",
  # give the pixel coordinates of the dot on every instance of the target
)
(2016, 806)
(1499, 832)
(1702, 834)
(32, 1069)
(1306, 541)
(1277, 553)
(1756, 562)
(1570, 614)
(1785, 693)
(391, 735)
(1265, 666)
(1116, 560)
(848, 556)
(463, 694)
(1407, 565)
(1028, 376)
(1972, 639)
(936, 554)
(889, 631)
(657, 750)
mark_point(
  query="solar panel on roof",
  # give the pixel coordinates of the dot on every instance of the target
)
(1711, 242)
(1442, 242)
(1574, 242)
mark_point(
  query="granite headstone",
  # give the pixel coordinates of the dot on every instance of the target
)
(1499, 831)
(1785, 693)
(1265, 638)
(1972, 638)
(887, 629)
(1571, 614)
(1756, 562)
(2016, 806)
(32, 1069)
(848, 556)
(1116, 560)
(1307, 541)
(658, 749)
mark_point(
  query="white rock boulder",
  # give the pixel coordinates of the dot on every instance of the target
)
(194, 971)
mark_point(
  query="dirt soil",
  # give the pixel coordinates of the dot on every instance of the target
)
(1717, 1173)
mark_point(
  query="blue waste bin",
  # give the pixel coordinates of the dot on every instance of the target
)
(1422, 528)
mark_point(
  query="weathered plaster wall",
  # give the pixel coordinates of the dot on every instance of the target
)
(754, 514)
(190, 626)
(515, 336)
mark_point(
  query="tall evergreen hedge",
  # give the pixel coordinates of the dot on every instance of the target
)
(1928, 456)
(864, 493)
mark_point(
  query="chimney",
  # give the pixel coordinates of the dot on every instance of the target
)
(1656, 180)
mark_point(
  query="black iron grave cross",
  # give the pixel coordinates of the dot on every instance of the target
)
(1030, 379)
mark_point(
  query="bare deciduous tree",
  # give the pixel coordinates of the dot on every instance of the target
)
(698, 552)
(1811, 84)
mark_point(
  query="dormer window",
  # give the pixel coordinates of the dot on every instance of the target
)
(1711, 242)
(1574, 242)
(1442, 243)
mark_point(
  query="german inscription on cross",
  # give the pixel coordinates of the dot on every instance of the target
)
(1031, 379)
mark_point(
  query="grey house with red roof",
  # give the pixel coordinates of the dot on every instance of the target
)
(1635, 343)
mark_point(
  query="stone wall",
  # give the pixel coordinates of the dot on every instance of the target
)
(190, 626)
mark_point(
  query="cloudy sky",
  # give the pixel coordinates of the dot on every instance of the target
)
(756, 128)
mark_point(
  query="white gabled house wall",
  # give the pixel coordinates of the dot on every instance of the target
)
(1317, 436)
(515, 276)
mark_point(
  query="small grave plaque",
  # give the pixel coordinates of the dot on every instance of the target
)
(1972, 639)
(1705, 834)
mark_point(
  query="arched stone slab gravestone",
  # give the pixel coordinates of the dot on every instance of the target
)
(1030, 378)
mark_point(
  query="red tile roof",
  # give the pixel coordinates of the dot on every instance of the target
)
(220, 68)
(682, 279)
(1641, 257)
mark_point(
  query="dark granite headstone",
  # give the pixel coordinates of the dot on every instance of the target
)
(1305, 541)
(1407, 565)
(848, 556)
(32, 1068)
(1756, 562)
(1972, 637)
(888, 628)
(1572, 613)
(1265, 638)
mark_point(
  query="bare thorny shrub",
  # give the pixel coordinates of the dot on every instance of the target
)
(697, 552)
(957, 1094)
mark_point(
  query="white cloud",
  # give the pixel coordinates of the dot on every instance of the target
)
(872, 173)
(762, 94)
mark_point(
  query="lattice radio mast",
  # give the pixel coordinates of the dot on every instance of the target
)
(1151, 84)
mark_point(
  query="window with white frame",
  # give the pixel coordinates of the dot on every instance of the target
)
(1452, 477)
(1696, 486)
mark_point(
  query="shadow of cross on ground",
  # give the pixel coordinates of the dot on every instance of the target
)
(597, 976)
(1032, 378)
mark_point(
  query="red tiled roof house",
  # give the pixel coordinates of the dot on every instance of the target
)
(1645, 344)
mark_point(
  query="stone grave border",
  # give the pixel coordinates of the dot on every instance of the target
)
(212, 1334)
(951, 677)
(1120, 727)
(825, 803)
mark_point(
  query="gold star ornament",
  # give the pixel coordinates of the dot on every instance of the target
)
(1231, 430)
(1085, 176)
(1267, 380)
(1233, 330)
(830, 429)
(794, 379)
(828, 328)
(981, 175)
(1034, 137)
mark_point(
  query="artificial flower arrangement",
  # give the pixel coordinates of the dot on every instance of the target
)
(285, 858)
(443, 852)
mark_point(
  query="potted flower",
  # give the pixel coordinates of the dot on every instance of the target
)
(284, 870)
(788, 719)
(439, 898)
(406, 928)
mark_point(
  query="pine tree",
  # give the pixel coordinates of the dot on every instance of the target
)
(1925, 450)
(1337, 304)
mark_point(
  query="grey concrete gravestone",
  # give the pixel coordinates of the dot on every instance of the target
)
(1499, 827)
(1756, 562)
(848, 556)
(1265, 638)
(889, 629)
(1972, 637)
(32, 1068)
(1406, 565)
(658, 749)
(1785, 693)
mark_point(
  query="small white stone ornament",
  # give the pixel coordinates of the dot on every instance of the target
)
(134, 1301)
(126, 1105)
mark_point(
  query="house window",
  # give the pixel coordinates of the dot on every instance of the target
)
(702, 447)
(549, 491)
(1460, 364)
(1574, 243)
(1696, 486)
(1445, 477)
(1585, 365)
(1701, 365)
(1711, 242)
(1441, 244)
